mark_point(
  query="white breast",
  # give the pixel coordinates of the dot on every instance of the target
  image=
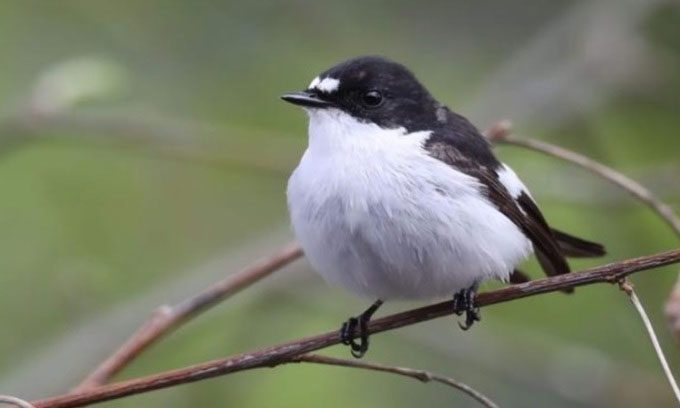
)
(376, 214)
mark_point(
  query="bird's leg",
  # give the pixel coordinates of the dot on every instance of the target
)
(464, 302)
(348, 329)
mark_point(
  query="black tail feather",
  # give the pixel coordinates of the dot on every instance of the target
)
(570, 246)
(518, 276)
(574, 247)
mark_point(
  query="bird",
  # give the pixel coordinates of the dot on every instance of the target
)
(399, 197)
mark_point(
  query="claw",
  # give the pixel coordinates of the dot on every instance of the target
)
(458, 307)
(349, 328)
(464, 302)
(358, 351)
(347, 331)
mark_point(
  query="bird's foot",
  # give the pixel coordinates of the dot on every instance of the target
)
(464, 302)
(348, 331)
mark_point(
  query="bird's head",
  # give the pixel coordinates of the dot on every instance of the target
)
(370, 90)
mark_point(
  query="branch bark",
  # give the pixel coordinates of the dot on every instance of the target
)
(282, 353)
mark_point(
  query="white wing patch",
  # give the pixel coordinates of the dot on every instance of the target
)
(509, 179)
(326, 85)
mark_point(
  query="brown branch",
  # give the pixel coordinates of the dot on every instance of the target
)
(168, 318)
(500, 133)
(424, 376)
(282, 353)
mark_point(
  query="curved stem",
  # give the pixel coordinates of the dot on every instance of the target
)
(424, 376)
(500, 133)
(630, 291)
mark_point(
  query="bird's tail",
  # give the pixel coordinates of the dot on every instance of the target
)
(518, 276)
(570, 246)
(574, 247)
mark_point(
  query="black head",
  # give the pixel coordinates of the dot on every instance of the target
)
(371, 89)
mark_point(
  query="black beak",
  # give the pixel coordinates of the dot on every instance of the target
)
(306, 99)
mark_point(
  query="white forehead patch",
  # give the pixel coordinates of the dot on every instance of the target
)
(314, 83)
(326, 85)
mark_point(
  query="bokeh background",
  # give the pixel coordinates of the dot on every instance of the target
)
(144, 154)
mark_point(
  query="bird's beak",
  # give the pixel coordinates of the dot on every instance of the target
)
(306, 99)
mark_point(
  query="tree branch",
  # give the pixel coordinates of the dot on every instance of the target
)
(500, 133)
(424, 376)
(168, 318)
(282, 353)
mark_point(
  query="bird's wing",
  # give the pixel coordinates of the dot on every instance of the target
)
(520, 209)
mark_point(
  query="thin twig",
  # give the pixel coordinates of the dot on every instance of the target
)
(630, 291)
(281, 353)
(424, 376)
(17, 402)
(500, 133)
(168, 318)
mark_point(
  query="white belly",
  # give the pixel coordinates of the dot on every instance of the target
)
(395, 223)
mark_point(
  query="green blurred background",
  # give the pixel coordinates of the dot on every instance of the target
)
(145, 153)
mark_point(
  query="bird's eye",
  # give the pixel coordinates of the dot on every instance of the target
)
(372, 98)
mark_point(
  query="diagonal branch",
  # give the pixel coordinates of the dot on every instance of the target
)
(168, 318)
(283, 353)
(424, 376)
(500, 133)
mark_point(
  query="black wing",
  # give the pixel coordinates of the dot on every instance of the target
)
(481, 164)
